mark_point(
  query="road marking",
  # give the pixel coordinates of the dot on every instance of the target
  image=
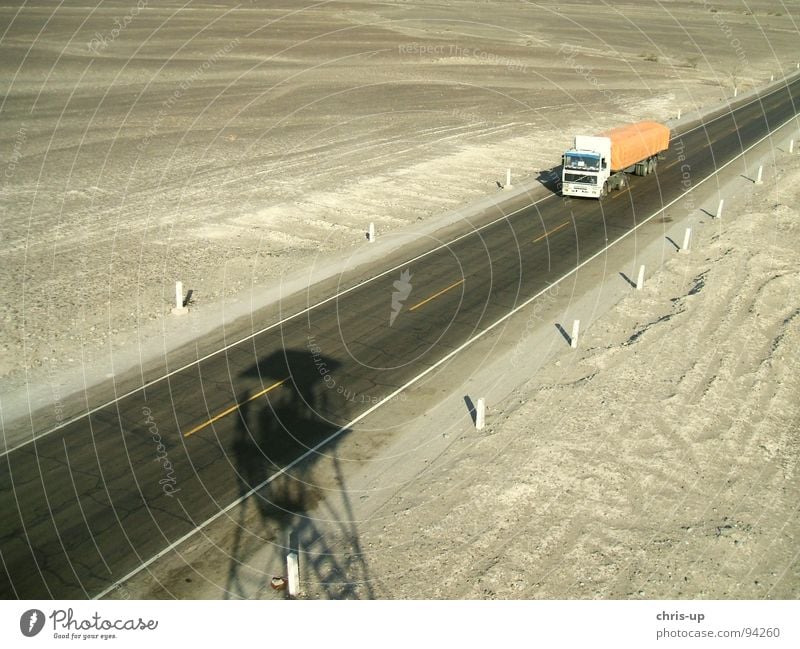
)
(421, 375)
(547, 234)
(234, 407)
(435, 295)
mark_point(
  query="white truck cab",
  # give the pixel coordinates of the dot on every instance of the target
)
(586, 169)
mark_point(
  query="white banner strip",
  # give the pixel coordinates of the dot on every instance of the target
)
(594, 624)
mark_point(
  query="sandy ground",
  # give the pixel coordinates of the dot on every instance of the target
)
(226, 144)
(659, 460)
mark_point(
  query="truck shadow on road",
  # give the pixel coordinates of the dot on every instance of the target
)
(551, 179)
(288, 439)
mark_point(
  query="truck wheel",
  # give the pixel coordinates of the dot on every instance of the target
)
(604, 191)
(621, 184)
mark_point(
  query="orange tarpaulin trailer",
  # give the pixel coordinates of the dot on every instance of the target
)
(635, 142)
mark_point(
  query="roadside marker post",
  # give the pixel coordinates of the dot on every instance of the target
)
(371, 234)
(508, 179)
(719, 208)
(758, 176)
(573, 340)
(640, 279)
(480, 414)
(791, 146)
(686, 238)
(293, 573)
(179, 309)
(735, 91)
(679, 113)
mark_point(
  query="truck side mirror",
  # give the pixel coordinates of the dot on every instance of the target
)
(604, 163)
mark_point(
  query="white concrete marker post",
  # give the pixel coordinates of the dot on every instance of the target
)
(293, 573)
(679, 113)
(735, 91)
(758, 176)
(640, 279)
(480, 414)
(508, 179)
(772, 77)
(686, 238)
(371, 235)
(179, 309)
(573, 340)
(791, 146)
(719, 208)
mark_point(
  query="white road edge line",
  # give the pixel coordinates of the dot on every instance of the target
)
(443, 360)
(352, 288)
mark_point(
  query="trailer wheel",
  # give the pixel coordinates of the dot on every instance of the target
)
(604, 191)
(621, 184)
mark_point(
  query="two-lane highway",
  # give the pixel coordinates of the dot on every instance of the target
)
(92, 500)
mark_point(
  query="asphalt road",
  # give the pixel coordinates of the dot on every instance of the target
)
(86, 504)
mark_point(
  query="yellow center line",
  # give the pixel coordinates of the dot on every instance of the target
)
(547, 234)
(435, 295)
(235, 407)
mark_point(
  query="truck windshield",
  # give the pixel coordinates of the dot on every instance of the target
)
(580, 178)
(581, 161)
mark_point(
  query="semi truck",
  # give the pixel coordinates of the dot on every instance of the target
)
(596, 164)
